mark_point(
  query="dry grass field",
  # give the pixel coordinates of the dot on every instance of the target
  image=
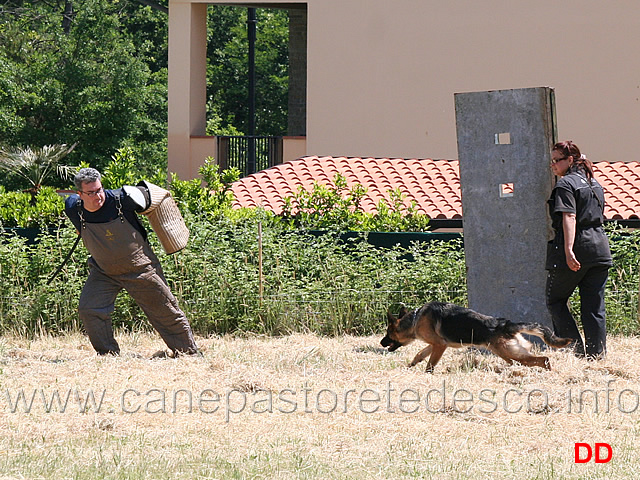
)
(304, 406)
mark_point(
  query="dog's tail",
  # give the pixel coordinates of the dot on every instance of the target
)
(544, 333)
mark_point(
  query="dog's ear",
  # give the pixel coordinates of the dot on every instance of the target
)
(390, 317)
(403, 312)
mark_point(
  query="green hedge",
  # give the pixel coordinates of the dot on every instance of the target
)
(308, 282)
(21, 210)
(297, 280)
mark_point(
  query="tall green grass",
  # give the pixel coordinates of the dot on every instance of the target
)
(622, 288)
(307, 283)
(228, 280)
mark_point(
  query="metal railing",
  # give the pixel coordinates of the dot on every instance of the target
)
(249, 154)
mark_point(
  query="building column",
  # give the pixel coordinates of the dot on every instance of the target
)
(187, 86)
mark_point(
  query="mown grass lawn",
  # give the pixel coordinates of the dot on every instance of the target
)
(305, 406)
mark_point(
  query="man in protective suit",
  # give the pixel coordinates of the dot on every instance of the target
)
(121, 258)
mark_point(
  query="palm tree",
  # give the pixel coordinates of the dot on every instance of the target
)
(36, 164)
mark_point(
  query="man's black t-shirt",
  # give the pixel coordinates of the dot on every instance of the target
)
(107, 212)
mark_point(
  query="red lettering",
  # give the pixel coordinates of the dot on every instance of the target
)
(599, 457)
(577, 453)
(609, 450)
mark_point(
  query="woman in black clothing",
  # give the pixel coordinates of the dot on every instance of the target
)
(579, 255)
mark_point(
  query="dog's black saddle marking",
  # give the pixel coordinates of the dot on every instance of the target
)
(462, 325)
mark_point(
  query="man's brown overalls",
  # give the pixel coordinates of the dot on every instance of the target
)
(122, 258)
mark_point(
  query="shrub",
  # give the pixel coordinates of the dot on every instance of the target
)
(303, 282)
(212, 199)
(20, 209)
(36, 165)
(622, 288)
(335, 207)
(123, 169)
(308, 283)
(231, 278)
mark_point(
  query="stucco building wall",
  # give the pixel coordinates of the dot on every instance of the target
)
(381, 75)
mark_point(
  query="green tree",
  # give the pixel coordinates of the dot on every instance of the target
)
(95, 72)
(227, 88)
(82, 82)
(146, 23)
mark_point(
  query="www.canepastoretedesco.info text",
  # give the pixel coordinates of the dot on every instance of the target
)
(387, 399)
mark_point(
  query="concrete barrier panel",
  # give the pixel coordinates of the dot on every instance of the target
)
(504, 146)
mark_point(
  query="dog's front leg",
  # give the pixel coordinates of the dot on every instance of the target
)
(435, 357)
(422, 354)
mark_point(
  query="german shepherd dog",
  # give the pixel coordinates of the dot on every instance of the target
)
(443, 325)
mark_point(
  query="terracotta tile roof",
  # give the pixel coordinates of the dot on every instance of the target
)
(433, 184)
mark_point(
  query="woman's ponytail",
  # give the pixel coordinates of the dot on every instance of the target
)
(568, 148)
